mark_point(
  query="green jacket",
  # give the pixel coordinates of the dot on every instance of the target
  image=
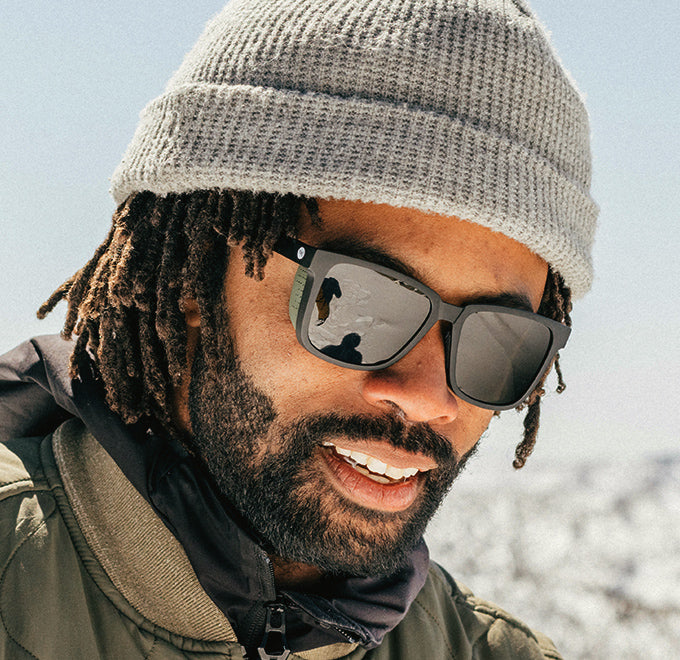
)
(87, 573)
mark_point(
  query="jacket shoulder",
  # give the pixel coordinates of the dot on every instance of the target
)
(25, 498)
(491, 631)
(21, 468)
(449, 621)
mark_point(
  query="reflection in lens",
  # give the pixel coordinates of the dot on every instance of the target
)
(329, 289)
(347, 350)
(499, 355)
(363, 317)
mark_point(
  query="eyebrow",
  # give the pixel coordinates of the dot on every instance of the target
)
(506, 299)
(353, 247)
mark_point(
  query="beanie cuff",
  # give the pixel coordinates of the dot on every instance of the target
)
(204, 136)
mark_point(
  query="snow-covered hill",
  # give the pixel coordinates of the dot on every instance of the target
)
(587, 553)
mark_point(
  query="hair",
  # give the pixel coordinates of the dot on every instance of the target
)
(126, 305)
(555, 304)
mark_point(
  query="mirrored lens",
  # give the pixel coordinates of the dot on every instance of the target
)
(499, 355)
(364, 317)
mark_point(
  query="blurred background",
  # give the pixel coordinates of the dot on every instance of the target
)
(585, 541)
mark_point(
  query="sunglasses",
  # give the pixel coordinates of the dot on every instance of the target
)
(363, 315)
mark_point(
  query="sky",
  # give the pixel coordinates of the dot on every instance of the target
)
(75, 76)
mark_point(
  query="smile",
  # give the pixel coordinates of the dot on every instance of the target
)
(373, 467)
(375, 481)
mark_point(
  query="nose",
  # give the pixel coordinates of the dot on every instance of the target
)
(416, 385)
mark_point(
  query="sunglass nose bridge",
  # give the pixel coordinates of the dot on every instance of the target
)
(448, 313)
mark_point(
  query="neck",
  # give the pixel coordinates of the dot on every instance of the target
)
(296, 576)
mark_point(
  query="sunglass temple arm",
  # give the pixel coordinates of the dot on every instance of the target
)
(295, 250)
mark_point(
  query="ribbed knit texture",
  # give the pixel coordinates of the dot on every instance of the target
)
(458, 107)
(141, 557)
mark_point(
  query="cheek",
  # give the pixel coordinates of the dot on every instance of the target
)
(261, 330)
(469, 425)
(264, 336)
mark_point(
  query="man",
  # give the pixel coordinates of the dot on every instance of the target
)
(348, 234)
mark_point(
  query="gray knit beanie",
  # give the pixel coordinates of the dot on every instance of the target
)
(458, 107)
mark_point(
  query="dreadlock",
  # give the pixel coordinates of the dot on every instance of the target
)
(555, 304)
(126, 304)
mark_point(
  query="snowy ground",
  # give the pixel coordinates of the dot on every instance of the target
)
(587, 553)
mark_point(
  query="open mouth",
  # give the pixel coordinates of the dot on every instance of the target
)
(372, 467)
(372, 481)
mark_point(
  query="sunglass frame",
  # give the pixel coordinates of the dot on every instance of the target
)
(317, 262)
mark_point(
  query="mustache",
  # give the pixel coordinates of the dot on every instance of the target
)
(310, 431)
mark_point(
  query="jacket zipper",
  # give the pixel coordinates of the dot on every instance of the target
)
(266, 636)
(273, 645)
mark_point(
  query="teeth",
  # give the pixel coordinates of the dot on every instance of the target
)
(359, 457)
(380, 478)
(374, 465)
(394, 473)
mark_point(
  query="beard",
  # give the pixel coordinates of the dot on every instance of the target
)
(266, 469)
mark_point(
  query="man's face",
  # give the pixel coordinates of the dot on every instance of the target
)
(275, 424)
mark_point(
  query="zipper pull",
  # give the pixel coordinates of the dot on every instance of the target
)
(273, 645)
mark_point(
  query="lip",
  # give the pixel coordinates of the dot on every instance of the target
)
(368, 493)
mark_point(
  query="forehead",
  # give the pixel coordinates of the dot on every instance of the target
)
(460, 260)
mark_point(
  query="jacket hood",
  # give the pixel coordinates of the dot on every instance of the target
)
(35, 389)
(230, 561)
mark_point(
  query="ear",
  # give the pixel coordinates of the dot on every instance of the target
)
(192, 313)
